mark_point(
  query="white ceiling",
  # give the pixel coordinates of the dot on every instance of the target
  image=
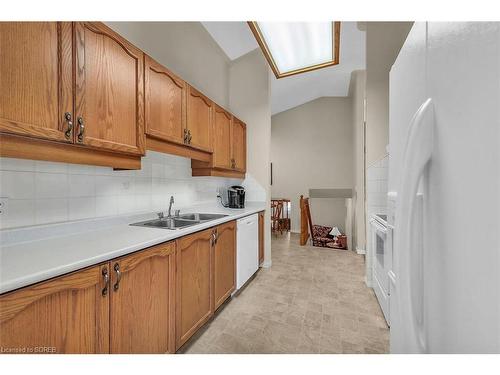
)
(236, 39)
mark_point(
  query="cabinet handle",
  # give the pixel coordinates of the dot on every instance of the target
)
(81, 129)
(213, 238)
(189, 136)
(69, 131)
(105, 275)
(185, 135)
(118, 276)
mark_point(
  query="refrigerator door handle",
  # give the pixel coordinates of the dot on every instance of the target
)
(418, 153)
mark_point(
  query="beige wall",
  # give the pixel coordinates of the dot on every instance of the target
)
(250, 100)
(383, 42)
(187, 49)
(357, 94)
(311, 147)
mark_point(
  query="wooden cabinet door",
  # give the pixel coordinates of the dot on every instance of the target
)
(261, 237)
(36, 79)
(199, 120)
(194, 284)
(239, 148)
(142, 301)
(224, 274)
(69, 314)
(109, 96)
(165, 103)
(222, 138)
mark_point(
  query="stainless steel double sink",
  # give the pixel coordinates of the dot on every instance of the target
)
(179, 222)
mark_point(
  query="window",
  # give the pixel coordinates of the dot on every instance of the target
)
(298, 47)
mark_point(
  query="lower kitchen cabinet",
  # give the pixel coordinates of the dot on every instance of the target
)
(261, 237)
(224, 262)
(194, 283)
(142, 301)
(68, 314)
(150, 301)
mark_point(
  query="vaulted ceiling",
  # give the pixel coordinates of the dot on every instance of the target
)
(236, 39)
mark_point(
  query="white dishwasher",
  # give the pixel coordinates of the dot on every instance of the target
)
(247, 249)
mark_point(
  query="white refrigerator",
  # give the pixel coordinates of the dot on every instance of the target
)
(444, 190)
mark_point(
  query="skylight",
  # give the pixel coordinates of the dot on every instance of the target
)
(297, 47)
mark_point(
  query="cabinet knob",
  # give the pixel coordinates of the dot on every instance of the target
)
(118, 276)
(81, 129)
(69, 130)
(105, 276)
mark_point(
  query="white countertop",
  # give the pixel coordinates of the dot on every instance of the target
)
(33, 254)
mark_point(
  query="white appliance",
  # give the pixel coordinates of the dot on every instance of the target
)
(444, 180)
(247, 249)
(382, 262)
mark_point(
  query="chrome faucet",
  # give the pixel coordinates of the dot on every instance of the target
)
(170, 206)
(161, 215)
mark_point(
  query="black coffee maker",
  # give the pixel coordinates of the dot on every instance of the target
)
(236, 197)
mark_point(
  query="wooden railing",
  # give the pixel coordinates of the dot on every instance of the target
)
(304, 220)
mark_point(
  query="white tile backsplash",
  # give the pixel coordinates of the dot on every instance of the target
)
(21, 212)
(43, 192)
(50, 167)
(81, 208)
(51, 185)
(11, 164)
(17, 185)
(81, 185)
(81, 169)
(376, 187)
(106, 206)
(51, 210)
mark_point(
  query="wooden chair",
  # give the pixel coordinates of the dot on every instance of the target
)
(279, 214)
(319, 233)
(276, 216)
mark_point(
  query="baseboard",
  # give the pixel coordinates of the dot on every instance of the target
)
(368, 283)
(360, 251)
(267, 264)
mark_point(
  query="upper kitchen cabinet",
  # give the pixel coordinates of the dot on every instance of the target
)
(239, 145)
(45, 116)
(165, 103)
(199, 120)
(109, 90)
(222, 138)
(230, 148)
(36, 97)
(166, 115)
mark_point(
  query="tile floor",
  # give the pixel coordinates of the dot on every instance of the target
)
(312, 300)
